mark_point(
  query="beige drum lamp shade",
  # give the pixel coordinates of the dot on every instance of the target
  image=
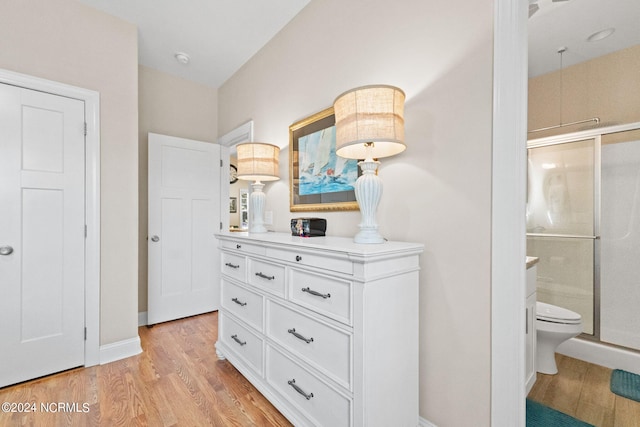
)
(370, 114)
(258, 161)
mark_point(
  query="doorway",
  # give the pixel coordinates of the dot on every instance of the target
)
(584, 192)
(184, 214)
(238, 220)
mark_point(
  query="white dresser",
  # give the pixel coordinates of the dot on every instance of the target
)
(325, 328)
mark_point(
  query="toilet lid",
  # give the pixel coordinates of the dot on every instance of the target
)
(553, 313)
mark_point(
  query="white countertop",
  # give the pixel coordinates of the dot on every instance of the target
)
(344, 244)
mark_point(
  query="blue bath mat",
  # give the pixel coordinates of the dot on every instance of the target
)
(625, 384)
(539, 415)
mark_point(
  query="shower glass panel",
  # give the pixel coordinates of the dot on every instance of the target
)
(562, 224)
(620, 240)
(565, 274)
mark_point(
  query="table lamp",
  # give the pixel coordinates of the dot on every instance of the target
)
(257, 162)
(369, 125)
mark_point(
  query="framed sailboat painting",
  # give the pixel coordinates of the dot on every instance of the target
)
(319, 180)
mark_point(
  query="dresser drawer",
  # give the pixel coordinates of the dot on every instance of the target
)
(243, 303)
(234, 266)
(326, 348)
(267, 276)
(241, 341)
(243, 247)
(325, 262)
(323, 294)
(321, 404)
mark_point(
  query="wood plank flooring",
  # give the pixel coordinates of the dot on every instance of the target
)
(581, 389)
(176, 381)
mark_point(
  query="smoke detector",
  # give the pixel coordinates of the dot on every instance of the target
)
(182, 58)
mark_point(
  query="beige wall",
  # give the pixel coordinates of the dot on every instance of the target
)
(68, 42)
(173, 106)
(437, 192)
(607, 87)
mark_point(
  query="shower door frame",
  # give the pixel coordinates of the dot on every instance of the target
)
(595, 237)
(595, 134)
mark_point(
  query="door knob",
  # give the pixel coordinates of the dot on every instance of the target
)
(155, 239)
(6, 250)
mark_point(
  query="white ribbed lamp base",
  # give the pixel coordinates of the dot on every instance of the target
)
(368, 189)
(257, 201)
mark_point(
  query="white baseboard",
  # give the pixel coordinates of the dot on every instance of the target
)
(425, 423)
(120, 350)
(601, 354)
(143, 319)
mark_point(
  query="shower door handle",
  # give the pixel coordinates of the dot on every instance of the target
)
(564, 236)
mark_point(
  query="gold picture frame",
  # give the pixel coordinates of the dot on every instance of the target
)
(318, 179)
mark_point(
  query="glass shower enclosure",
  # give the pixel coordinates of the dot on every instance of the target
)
(563, 197)
(583, 222)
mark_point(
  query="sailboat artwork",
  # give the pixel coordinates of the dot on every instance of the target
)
(321, 170)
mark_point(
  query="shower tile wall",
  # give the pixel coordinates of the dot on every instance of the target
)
(620, 245)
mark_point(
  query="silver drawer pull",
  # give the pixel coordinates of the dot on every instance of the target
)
(232, 265)
(238, 246)
(300, 337)
(292, 383)
(318, 294)
(235, 338)
(264, 276)
(240, 303)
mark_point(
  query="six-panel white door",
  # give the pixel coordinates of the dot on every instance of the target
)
(184, 212)
(42, 234)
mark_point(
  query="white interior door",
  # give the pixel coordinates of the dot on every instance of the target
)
(41, 234)
(184, 214)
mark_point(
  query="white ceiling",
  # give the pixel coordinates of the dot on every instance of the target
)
(219, 35)
(569, 23)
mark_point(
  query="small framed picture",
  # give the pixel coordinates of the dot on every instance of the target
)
(233, 204)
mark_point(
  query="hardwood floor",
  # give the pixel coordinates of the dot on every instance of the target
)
(179, 381)
(581, 389)
(176, 381)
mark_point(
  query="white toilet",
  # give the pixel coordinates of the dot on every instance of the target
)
(554, 326)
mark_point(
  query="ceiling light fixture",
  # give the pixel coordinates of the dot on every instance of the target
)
(182, 58)
(602, 34)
